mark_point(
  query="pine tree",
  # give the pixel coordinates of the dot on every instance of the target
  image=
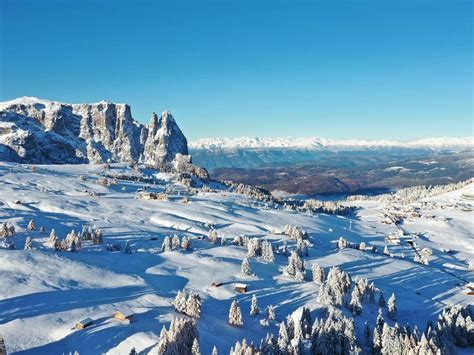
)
(283, 339)
(235, 314)
(253, 247)
(214, 351)
(128, 249)
(31, 225)
(42, 230)
(28, 243)
(175, 242)
(356, 302)
(213, 236)
(195, 350)
(318, 273)
(180, 302)
(267, 252)
(245, 268)
(3, 349)
(186, 243)
(193, 305)
(133, 352)
(166, 244)
(97, 238)
(254, 307)
(392, 307)
(271, 313)
(385, 250)
(295, 264)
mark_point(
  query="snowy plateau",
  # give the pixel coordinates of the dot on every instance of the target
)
(125, 258)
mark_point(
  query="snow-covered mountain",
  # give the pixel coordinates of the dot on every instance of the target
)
(330, 144)
(247, 152)
(33, 130)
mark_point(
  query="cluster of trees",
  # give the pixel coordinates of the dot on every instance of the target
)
(316, 206)
(328, 207)
(256, 193)
(296, 267)
(190, 305)
(235, 313)
(182, 338)
(336, 286)
(7, 232)
(339, 290)
(73, 241)
(175, 243)
(454, 327)
(413, 194)
(333, 335)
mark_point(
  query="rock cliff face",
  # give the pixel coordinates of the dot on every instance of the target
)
(47, 132)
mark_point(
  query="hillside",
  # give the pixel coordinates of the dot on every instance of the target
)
(47, 291)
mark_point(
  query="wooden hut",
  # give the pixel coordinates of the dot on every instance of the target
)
(124, 316)
(83, 323)
(241, 288)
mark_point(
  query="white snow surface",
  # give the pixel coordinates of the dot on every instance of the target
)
(44, 293)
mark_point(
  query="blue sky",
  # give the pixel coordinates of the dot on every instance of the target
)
(337, 69)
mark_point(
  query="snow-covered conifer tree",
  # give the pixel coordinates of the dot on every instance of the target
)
(318, 273)
(283, 339)
(31, 225)
(3, 349)
(180, 302)
(341, 243)
(235, 314)
(193, 305)
(195, 349)
(385, 250)
(392, 307)
(245, 268)
(295, 266)
(175, 242)
(28, 243)
(267, 252)
(166, 244)
(186, 243)
(356, 301)
(254, 307)
(271, 312)
(253, 247)
(213, 236)
(214, 351)
(97, 238)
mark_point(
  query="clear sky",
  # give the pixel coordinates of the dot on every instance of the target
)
(336, 69)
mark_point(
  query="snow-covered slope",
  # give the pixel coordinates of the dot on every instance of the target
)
(42, 131)
(44, 292)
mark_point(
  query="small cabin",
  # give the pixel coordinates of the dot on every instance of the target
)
(470, 289)
(241, 288)
(83, 323)
(124, 316)
(148, 196)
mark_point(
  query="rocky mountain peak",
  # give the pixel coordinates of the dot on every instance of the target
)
(33, 130)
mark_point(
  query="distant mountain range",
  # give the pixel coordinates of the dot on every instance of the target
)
(247, 152)
(40, 131)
